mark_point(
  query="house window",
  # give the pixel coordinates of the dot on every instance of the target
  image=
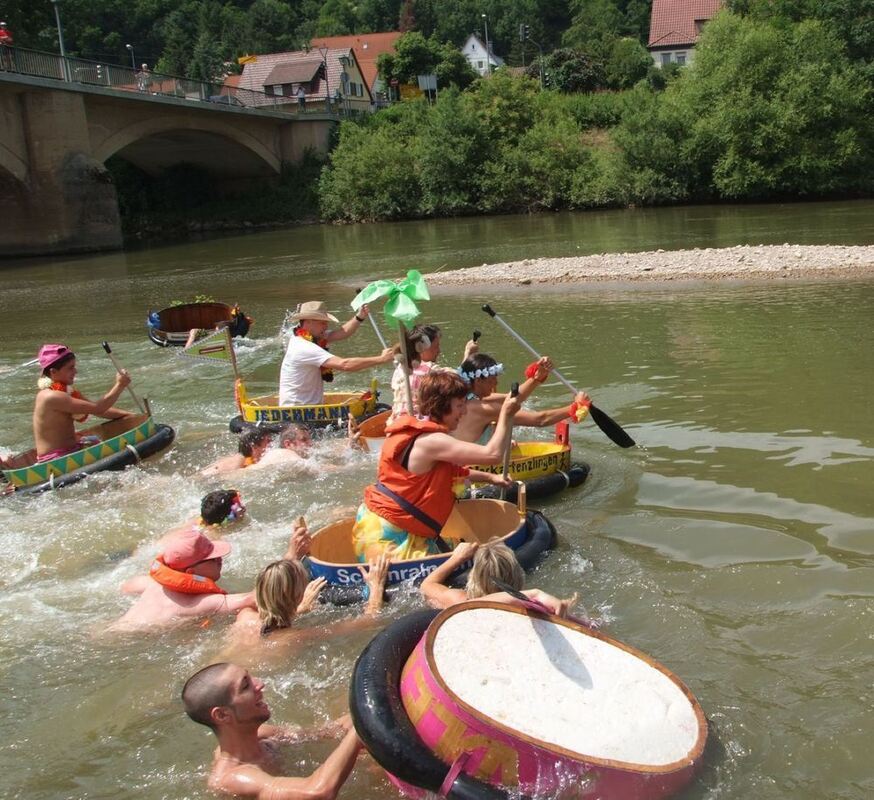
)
(666, 58)
(681, 59)
(268, 90)
(479, 64)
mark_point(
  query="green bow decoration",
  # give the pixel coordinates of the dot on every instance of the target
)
(400, 304)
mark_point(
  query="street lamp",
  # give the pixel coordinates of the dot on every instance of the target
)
(324, 51)
(133, 61)
(65, 67)
(488, 51)
(56, 3)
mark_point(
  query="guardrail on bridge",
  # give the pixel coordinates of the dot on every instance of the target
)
(38, 64)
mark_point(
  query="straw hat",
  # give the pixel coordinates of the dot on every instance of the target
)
(312, 310)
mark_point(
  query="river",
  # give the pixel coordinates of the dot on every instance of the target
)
(735, 545)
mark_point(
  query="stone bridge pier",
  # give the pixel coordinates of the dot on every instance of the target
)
(56, 195)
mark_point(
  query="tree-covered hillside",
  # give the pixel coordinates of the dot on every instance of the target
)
(195, 37)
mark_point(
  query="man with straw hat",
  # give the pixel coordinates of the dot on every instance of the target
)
(307, 363)
(58, 404)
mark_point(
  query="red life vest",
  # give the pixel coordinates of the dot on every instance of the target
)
(431, 492)
(183, 582)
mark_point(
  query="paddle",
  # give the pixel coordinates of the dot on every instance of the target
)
(118, 368)
(612, 429)
(514, 392)
(476, 335)
(375, 327)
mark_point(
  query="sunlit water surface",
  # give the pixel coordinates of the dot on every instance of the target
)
(735, 545)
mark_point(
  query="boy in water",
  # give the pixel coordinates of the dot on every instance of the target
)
(251, 447)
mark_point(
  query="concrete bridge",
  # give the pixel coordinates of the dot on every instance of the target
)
(56, 134)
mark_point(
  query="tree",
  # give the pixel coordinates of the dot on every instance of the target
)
(415, 55)
(573, 71)
(628, 63)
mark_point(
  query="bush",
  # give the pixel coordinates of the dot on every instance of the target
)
(372, 176)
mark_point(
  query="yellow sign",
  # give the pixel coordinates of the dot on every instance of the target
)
(247, 60)
(409, 92)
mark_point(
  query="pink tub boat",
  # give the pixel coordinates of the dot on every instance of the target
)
(525, 700)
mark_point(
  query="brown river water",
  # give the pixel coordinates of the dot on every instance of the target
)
(735, 544)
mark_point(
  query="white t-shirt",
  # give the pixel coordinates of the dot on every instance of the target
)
(300, 380)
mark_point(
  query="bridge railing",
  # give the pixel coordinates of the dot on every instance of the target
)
(34, 63)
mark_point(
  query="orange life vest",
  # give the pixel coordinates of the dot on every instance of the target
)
(182, 582)
(431, 493)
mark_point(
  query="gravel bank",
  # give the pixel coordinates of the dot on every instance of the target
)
(730, 263)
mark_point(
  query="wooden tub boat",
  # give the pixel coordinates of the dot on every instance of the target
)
(545, 468)
(265, 412)
(528, 533)
(171, 326)
(491, 700)
(122, 442)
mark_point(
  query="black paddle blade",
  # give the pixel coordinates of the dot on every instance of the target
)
(106, 347)
(476, 335)
(612, 429)
(489, 310)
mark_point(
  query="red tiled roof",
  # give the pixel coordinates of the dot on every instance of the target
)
(672, 22)
(232, 81)
(259, 73)
(368, 48)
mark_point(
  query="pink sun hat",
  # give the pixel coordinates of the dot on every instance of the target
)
(191, 547)
(52, 353)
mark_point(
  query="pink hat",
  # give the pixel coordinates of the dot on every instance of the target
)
(52, 353)
(190, 547)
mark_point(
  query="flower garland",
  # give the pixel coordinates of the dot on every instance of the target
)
(57, 386)
(484, 372)
(327, 374)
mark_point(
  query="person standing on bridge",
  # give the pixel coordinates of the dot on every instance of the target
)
(301, 98)
(308, 363)
(144, 78)
(5, 43)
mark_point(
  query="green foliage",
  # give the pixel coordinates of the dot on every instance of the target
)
(569, 70)
(372, 175)
(415, 55)
(628, 62)
(768, 109)
(452, 147)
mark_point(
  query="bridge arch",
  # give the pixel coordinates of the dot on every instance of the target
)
(167, 131)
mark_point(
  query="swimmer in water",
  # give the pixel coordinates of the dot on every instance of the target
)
(283, 590)
(227, 699)
(181, 585)
(250, 449)
(182, 581)
(491, 560)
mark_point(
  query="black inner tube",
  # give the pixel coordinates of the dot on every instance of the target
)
(382, 722)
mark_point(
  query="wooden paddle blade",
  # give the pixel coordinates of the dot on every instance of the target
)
(612, 429)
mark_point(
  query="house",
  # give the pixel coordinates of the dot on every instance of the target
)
(333, 74)
(675, 26)
(368, 48)
(475, 52)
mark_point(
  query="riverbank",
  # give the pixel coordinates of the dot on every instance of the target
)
(744, 262)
